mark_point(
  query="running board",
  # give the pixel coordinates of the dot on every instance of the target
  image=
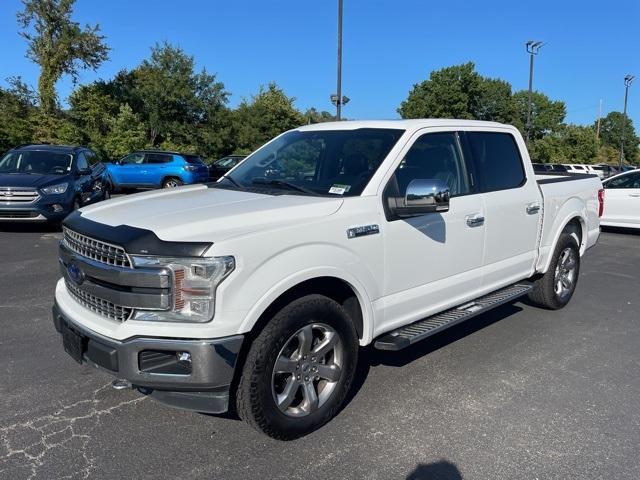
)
(414, 332)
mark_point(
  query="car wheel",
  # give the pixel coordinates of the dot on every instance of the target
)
(554, 289)
(172, 183)
(106, 195)
(76, 204)
(299, 369)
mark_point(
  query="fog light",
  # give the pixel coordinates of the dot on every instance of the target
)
(57, 208)
(184, 358)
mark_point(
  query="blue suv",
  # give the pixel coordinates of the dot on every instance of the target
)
(40, 183)
(154, 169)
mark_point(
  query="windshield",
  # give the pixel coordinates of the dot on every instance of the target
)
(36, 162)
(322, 162)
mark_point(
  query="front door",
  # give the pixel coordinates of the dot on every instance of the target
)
(622, 200)
(129, 171)
(432, 261)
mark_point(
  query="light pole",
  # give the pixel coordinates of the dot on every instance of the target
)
(532, 49)
(627, 83)
(337, 98)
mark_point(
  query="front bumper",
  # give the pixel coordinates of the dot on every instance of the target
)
(43, 210)
(151, 365)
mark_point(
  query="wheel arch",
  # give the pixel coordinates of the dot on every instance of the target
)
(344, 291)
(573, 221)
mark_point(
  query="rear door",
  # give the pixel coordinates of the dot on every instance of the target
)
(156, 168)
(622, 200)
(512, 203)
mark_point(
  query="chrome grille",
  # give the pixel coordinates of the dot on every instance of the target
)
(18, 195)
(96, 250)
(99, 305)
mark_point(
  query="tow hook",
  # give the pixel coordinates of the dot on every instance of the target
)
(120, 384)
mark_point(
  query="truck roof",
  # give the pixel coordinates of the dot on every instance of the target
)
(400, 124)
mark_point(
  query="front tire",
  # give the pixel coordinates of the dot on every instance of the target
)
(554, 289)
(299, 369)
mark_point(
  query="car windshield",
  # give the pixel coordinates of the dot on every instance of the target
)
(318, 162)
(36, 162)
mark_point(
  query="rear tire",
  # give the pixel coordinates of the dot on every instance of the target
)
(554, 289)
(172, 183)
(299, 369)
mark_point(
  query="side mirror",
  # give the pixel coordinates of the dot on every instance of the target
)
(424, 196)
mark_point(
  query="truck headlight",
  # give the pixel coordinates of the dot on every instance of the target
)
(56, 189)
(195, 281)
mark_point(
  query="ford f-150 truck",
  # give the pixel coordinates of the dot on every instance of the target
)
(256, 292)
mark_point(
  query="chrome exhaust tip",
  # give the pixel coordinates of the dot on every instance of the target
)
(120, 384)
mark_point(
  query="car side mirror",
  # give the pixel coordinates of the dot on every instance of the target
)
(424, 196)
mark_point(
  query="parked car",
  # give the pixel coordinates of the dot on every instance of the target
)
(576, 168)
(157, 169)
(602, 170)
(262, 287)
(40, 183)
(221, 166)
(543, 168)
(622, 193)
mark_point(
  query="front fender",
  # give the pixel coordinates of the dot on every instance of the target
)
(288, 268)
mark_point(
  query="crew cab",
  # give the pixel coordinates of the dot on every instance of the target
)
(156, 169)
(40, 183)
(260, 288)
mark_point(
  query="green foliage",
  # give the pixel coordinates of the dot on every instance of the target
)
(269, 113)
(611, 128)
(58, 44)
(459, 92)
(568, 144)
(547, 115)
(16, 110)
(126, 133)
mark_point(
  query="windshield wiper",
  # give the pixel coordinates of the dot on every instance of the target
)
(283, 183)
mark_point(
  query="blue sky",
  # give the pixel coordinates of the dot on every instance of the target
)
(388, 46)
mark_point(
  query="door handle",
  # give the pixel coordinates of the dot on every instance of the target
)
(533, 208)
(475, 220)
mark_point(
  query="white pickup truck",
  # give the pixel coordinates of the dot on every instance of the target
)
(256, 292)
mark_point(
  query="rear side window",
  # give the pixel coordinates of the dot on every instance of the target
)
(193, 159)
(631, 180)
(158, 158)
(497, 160)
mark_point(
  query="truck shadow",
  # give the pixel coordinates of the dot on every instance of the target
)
(371, 357)
(442, 470)
(622, 230)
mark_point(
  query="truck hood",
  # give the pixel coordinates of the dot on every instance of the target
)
(201, 213)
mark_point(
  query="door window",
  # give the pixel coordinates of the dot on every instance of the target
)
(632, 180)
(158, 158)
(497, 160)
(434, 156)
(92, 158)
(82, 164)
(134, 158)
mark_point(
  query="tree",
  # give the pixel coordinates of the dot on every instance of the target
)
(611, 128)
(16, 110)
(58, 44)
(569, 144)
(269, 113)
(546, 115)
(173, 98)
(126, 133)
(459, 92)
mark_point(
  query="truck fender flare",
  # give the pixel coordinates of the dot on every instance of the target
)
(259, 307)
(572, 209)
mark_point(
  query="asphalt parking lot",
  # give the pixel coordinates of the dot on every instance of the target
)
(516, 393)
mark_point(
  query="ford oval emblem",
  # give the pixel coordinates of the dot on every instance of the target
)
(75, 274)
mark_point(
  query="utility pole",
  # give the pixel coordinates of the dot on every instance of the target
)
(337, 98)
(627, 83)
(598, 122)
(533, 47)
